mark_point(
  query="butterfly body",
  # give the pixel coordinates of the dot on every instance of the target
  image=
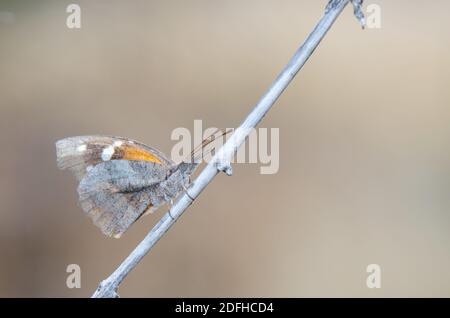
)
(121, 179)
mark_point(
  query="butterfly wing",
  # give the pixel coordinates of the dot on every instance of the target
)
(116, 193)
(82, 153)
(116, 178)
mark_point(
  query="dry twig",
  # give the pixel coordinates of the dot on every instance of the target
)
(221, 161)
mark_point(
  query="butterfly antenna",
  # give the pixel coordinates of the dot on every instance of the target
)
(206, 142)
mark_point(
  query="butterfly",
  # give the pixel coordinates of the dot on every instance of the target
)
(122, 179)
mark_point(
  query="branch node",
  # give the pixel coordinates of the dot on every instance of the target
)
(106, 290)
(357, 9)
(224, 166)
(358, 12)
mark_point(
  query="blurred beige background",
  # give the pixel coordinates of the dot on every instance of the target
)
(364, 128)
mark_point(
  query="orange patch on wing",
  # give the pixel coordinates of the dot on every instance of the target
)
(132, 153)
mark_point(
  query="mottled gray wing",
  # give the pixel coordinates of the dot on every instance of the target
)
(116, 193)
(81, 153)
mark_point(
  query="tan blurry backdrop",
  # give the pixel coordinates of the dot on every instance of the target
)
(364, 146)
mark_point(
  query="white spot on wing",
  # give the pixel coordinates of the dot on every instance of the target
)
(107, 153)
(117, 143)
(82, 148)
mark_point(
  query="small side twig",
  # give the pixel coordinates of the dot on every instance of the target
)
(221, 161)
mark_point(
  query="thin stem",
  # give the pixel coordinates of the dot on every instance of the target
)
(221, 161)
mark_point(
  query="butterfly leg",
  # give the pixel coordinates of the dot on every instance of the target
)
(187, 193)
(170, 210)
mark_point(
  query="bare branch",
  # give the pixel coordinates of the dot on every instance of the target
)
(221, 161)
